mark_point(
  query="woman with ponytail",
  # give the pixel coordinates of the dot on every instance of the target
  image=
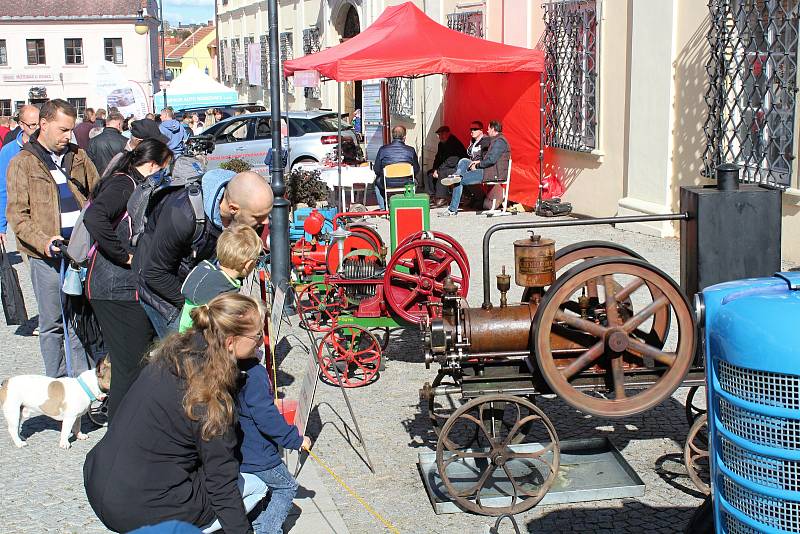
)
(110, 283)
(170, 453)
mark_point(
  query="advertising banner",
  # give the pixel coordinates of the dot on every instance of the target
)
(116, 91)
(254, 64)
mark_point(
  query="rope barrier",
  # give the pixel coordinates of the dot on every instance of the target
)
(361, 501)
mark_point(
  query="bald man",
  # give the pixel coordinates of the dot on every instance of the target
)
(28, 123)
(168, 249)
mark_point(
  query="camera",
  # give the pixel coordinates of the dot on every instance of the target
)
(200, 145)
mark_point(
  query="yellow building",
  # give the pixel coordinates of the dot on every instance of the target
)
(197, 49)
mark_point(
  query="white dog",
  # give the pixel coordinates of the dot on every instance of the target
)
(63, 399)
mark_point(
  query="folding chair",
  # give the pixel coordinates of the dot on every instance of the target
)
(395, 178)
(506, 185)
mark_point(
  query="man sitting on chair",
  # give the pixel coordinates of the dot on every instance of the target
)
(492, 168)
(395, 152)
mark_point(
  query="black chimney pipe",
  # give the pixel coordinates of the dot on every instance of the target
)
(728, 177)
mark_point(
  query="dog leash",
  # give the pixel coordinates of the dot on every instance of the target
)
(67, 342)
(86, 389)
(361, 501)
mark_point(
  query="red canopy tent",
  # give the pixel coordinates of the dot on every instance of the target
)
(486, 80)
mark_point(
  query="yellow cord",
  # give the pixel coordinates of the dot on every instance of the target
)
(369, 509)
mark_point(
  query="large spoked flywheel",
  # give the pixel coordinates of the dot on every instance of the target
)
(607, 338)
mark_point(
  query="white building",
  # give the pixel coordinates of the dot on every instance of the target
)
(50, 49)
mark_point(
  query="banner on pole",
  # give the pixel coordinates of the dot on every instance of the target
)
(254, 64)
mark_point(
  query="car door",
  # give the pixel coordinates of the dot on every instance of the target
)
(262, 142)
(230, 141)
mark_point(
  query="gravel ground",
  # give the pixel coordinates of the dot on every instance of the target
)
(42, 488)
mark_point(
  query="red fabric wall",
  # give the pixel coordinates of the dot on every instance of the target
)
(512, 98)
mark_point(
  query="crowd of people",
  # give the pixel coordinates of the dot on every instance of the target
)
(193, 432)
(485, 161)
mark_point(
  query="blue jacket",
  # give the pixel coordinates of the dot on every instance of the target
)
(395, 152)
(6, 153)
(176, 134)
(263, 426)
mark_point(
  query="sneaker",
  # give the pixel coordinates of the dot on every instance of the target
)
(450, 180)
(447, 213)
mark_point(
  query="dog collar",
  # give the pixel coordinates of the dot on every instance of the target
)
(88, 391)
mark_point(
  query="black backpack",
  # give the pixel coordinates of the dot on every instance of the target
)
(186, 173)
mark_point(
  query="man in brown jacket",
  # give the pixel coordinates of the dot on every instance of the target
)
(48, 184)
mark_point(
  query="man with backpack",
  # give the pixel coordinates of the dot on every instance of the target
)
(48, 184)
(183, 222)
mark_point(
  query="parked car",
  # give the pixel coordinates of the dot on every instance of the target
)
(228, 110)
(312, 136)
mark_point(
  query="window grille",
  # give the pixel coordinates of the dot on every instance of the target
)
(469, 22)
(401, 96)
(286, 44)
(264, 41)
(234, 66)
(570, 41)
(751, 94)
(113, 50)
(5, 108)
(247, 42)
(311, 45)
(35, 49)
(79, 103)
(223, 73)
(3, 52)
(73, 51)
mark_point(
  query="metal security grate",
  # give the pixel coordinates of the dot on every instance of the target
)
(286, 44)
(247, 42)
(734, 526)
(777, 513)
(312, 43)
(760, 387)
(762, 429)
(752, 88)
(770, 472)
(469, 22)
(401, 96)
(234, 63)
(223, 71)
(264, 42)
(570, 42)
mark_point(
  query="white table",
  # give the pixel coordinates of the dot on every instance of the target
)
(351, 178)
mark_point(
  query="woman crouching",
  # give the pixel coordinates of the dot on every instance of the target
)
(170, 453)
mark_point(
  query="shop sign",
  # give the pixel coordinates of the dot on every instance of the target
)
(29, 77)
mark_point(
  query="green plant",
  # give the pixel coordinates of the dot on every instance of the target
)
(236, 165)
(305, 187)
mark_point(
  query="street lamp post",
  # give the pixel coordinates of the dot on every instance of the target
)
(142, 28)
(279, 227)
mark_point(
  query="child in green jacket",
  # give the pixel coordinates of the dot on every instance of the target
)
(238, 249)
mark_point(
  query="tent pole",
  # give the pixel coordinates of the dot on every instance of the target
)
(339, 143)
(287, 164)
(541, 146)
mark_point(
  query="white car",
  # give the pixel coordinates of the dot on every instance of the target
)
(312, 136)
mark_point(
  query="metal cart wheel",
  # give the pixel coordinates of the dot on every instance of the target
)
(438, 413)
(574, 336)
(695, 404)
(354, 352)
(520, 459)
(696, 456)
(319, 305)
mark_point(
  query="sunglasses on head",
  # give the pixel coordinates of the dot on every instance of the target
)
(474, 129)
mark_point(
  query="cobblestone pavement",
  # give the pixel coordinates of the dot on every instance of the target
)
(42, 488)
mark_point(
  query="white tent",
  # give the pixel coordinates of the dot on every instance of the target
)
(194, 88)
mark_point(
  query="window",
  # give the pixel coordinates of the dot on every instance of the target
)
(570, 42)
(235, 74)
(113, 50)
(247, 42)
(263, 40)
(469, 22)
(224, 62)
(18, 105)
(401, 96)
(3, 52)
(311, 45)
(35, 49)
(73, 51)
(264, 128)
(233, 132)
(79, 103)
(751, 96)
(5, 108)
(286, 45)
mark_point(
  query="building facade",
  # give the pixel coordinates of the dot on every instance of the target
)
(52, 50)
(197, 49)
(649, 96)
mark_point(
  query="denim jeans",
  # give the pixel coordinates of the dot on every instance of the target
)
(46, 281)
(283, 488)
(252, 489)
(467, 178)
(160, 324)
(379, 195)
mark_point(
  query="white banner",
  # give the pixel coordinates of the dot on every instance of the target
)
(116, 91)
(254, 64)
